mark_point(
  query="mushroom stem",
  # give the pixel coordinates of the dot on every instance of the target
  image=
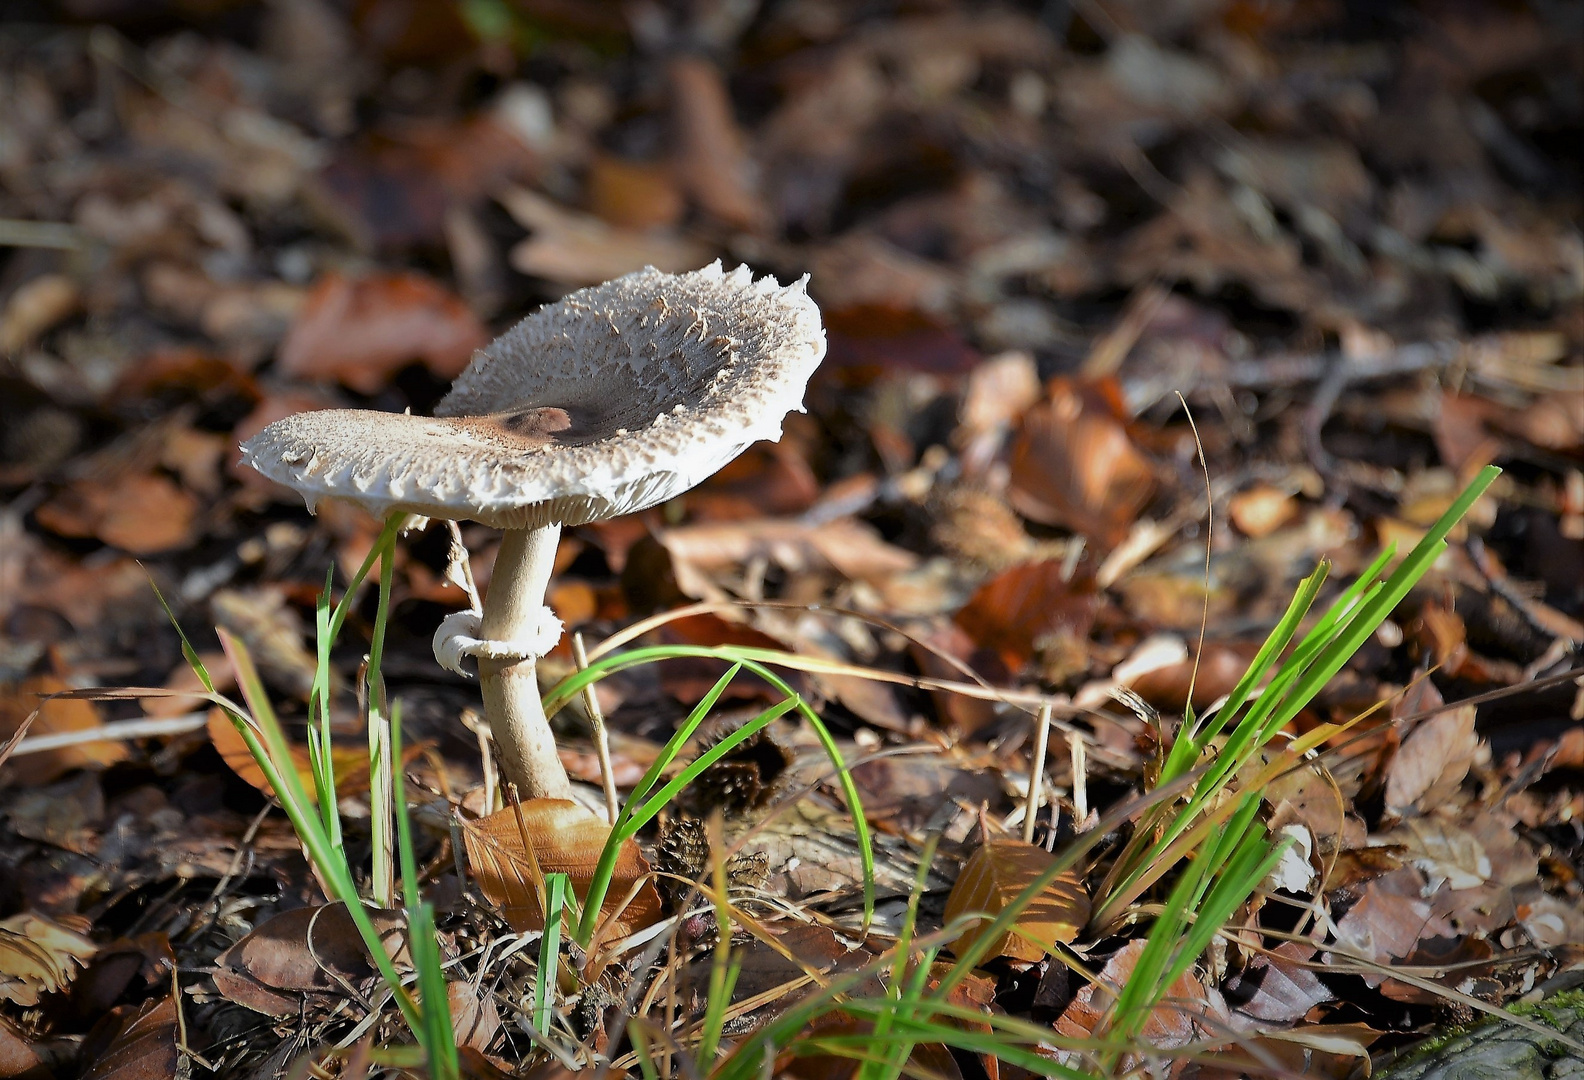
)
(512, 608)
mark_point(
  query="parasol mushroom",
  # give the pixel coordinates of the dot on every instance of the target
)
(615, 399)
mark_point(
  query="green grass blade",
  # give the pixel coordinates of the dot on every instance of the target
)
(549, 953)
(281, 773)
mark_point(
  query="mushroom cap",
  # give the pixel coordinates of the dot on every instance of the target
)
(610, 401)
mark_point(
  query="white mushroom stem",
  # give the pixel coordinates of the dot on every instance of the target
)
(514, 608)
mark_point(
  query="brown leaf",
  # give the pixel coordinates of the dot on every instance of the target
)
(360, 332)
(564, 838)
(18, 1059)
(579, 249)
(711, 161)
(1012, 611)
(34, 307)
(994, 876)
(1074, 465)
(144, 513)
(1277, 987)
(56, 717)
(302, 952)
(1262, 509)
(1170, 1023)
(1433, 760)
(633, 194)
(38, 956)
(474, 1016)
(350, 766)
(146, 1048)
(1388, 921)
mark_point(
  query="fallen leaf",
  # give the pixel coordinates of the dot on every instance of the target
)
(146, 1048)
(38, 956)
(1170, 1024)
(711, 160)
(1276, 986)
(475, 1019)
(56, 717)
(1262, 509)
(288, 960)
(994, 876)
(145, 513)
(1429, 767)
(1014, 610)
(350, 766)
(1073, 464)
(1387, 922)
(570, 248)
(633, 194)
(563, 838)
(362, 331)
(18, 1059)
(34, 307)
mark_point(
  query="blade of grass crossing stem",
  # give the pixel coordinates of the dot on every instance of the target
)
(381, 808)
(549, 953)
(636, 815)
(436, 1035)
(756, 661)
(674, 745)
(274, 759)
(599, 884)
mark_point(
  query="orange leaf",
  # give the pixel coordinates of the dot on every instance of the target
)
(994, 876)
(56, 717)
(565, 839)
(1074, 465)
(350, 766)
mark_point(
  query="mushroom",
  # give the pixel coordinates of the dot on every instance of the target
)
(613, 400)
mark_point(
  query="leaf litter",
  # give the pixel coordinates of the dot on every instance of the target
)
(1352, 248)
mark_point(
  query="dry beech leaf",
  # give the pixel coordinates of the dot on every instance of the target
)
(579, 249)
(1170, 1024)
(146, 1048)
(144, 513)
(302, 952)
(350, 766)
(566, 839)
(1012, 611)
(1261, 510)
(994, 876)
(1074, 465)
(18, 1059)
(38, 956)
(362, 332)
(1433, 760)
(57, 717)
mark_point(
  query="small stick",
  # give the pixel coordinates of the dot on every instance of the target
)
(1080, 781)
(597, 722)
(1036, 771)
(114, 731)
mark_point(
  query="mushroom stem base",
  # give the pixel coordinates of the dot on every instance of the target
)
(512, 704)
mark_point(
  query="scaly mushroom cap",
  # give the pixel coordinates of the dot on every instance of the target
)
(613, 400)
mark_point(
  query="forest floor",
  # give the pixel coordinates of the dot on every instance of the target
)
(1343, 239)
